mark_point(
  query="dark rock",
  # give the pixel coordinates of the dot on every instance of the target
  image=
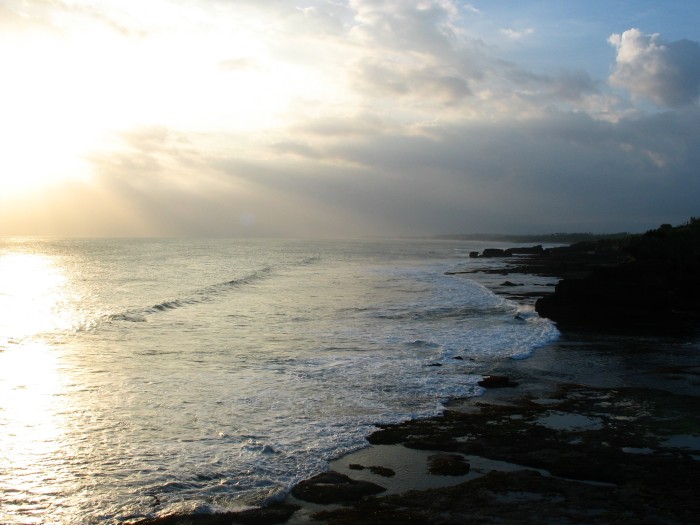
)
(508, 283)
(379, 471)
(497, 382)
(272, 514)
(459, 358)
(277, 513)
(382, 471)
(622, 296)
(435, 364)
(649, 282)
(333, 487)
(655, 487)
(473, 255)
(448, 465)
(494, 252)
(530, 250)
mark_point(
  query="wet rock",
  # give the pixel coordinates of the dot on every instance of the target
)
(497, 382)
(658, 486)
(333, 487)
(278, 513)
(509, 283)
(382, 471)
(495, 252)
(272, 514)
(379, 471)
(448, 465)
(528, 250)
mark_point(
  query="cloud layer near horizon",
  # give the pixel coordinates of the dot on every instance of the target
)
(362, 117)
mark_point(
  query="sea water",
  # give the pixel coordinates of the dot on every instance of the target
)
(144, 377)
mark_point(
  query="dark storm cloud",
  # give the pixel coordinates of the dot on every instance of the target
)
(567, 169)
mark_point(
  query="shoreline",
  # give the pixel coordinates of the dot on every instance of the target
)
(571, 442)
(547, 449)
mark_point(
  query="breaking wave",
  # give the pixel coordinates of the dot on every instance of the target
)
(205, 294)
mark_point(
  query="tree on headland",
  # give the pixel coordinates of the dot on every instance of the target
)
(674, 247)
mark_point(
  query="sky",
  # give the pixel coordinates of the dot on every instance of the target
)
(310, 118)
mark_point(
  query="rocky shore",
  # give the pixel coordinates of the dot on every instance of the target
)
(611, 443)
(602, 426)
(649, 281)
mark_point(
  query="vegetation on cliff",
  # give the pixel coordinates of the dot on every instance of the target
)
(654, 281)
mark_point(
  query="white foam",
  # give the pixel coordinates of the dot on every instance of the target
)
(232, 393)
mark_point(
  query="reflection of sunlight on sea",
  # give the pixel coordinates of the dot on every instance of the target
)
(252, 363)
(33, 296)
(35, 302)
(31, 418)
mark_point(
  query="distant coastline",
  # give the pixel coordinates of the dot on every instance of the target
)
(554, 238)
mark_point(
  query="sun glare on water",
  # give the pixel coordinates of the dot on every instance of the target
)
(31, 444)
(32, 305)
(34, 297)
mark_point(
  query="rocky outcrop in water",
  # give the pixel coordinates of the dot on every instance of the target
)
(508, 252)
(448, 465)
(333, 487)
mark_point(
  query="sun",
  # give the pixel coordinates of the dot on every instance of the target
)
(83, 80)
(69, 90)
(46, 127)
(33, 296)
(34, 161)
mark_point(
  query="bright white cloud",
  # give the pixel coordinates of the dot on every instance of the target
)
(668, 73)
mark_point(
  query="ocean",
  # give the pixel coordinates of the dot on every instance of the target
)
(142, 377)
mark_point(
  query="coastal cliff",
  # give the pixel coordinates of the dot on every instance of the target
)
(650, 280)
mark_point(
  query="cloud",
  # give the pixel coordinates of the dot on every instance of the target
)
(62, 17)
(424, 27)
(564, 170)
(361, 117)
(238, 64)
(517, 35)
(566, 86)
(414, 56)
(425, 84)
(668, 73)
(296, 148)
